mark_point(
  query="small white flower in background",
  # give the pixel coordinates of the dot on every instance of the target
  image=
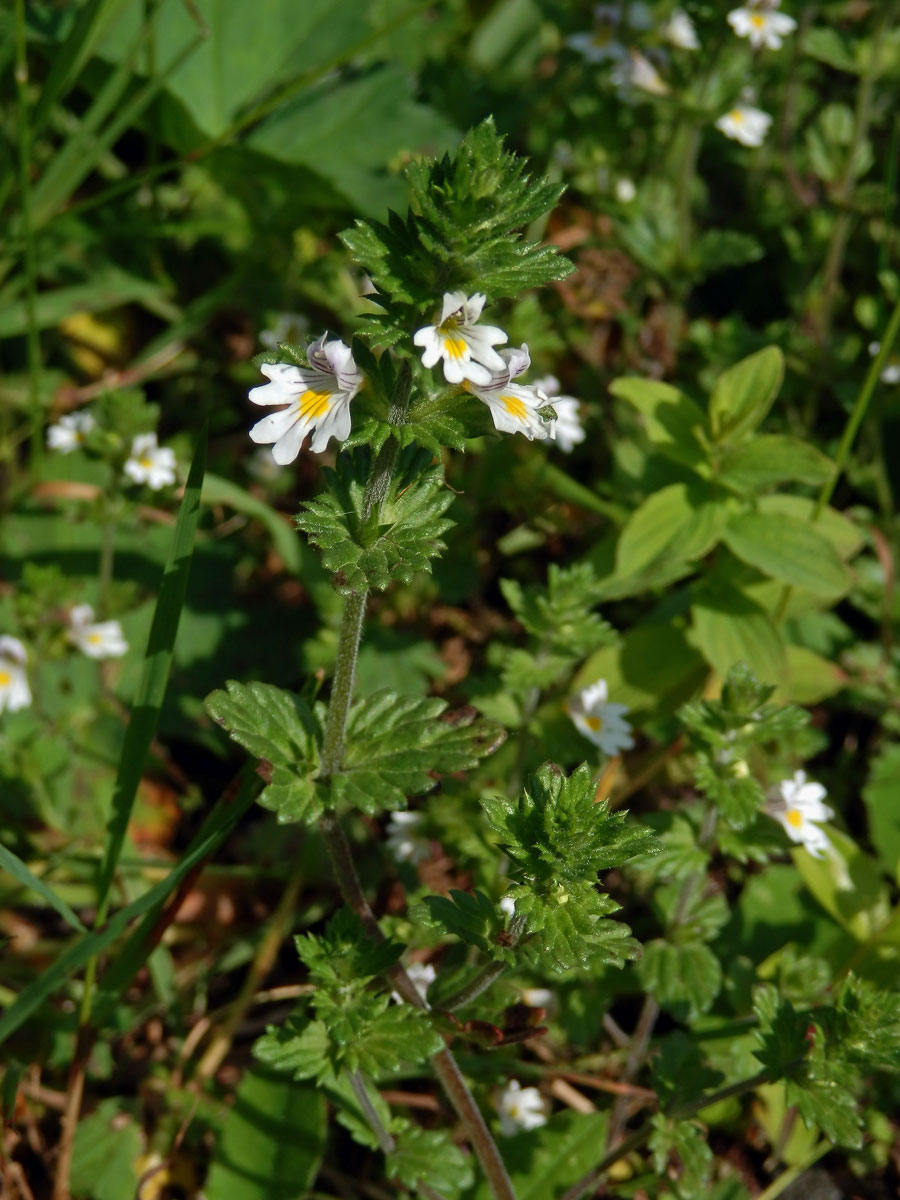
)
(467, 348)
(97, 639)
(802, 808)
(69, 432)
(14, 690)
(745, 124)
(625, 190)
(514, 407)
(599, 46)
(599, 720)
(891, 370)
(422, 974)
(150, 463)
(508, 905)
(520, 1108)
(538, 997)
(679, 31)
(763, 26)
(317, 400)
(638, 71)
(567, 428)
(287, 327)
(404, 842)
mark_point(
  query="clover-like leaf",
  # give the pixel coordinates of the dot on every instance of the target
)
(400, 536)
(281, 730)
(396, 744)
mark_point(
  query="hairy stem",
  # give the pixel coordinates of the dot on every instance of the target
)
(486, 976)
(384, 1139)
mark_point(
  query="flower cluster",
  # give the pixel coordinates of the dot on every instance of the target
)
(147, 462)
(314, 401)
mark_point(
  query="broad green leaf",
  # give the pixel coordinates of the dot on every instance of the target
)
(847, 885)
(681, 522)
(844, 535)
(672, 421)
(396, 744)
(542, 1162)
(157, 663)
(770, 459)
(108, 288)
(684, 979)
(278, 728)
(729, 628)
(469, 916)
(395, 542)
(430, 1156)
(880, 795)
(810, 677)
(653, 669)
(788, 550)
(26, 877)
(271, 1143)
(105, 1154)
(744, 393)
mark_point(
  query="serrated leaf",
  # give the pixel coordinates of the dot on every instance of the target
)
(685, 979)
(717, 249)
(469, 916)
(679, 855)
(560, 615)
(345, 954)
(277, 727)
(744, 393)
(271, 1143)
(788, 550)
(299, 1047)
(395, 542)
(686, 1142)
(428, 1155)
(565, 927)
(396, 744)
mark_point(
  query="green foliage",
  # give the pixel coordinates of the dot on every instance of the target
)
(428, 1155)
(344, 955)
(272, 1141)
(393, 542)
(560, 616)
(743, 395)
(471, 917)
(396, 744)
(685, 977)
(686, 1142)
(281, 730)
(458, 234)
(558, 838)
(104, 1154)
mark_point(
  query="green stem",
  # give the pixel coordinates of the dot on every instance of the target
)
(851, 429)
(488, 974)
(32, 338)
(361, 1092)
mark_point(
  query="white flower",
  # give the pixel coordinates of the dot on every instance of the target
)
(679, 31)
(567, 428)
(891, 370)
(514, 407)
(638, 71)
(803, 807)
(466, 347)
(422, 974)
(14, 690)
(287, 327)
(763, 27)
(600, 721)
(520, 1108)
(69, 432)
(745, 124)
(507, 905)
(150, 463)
(625, 190)
(317, 399)
(97, 639)
(538, 997)
(599, 46)
(402, 840)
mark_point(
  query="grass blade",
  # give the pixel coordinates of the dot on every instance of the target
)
(22, 872)
(217, 826)
(155, 675)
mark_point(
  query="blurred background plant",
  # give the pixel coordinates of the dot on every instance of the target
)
(176, 173)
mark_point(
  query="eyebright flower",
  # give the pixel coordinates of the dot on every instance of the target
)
(520, 1108)
(763, 26)
(14, 690)
(69, 432)
(317, 399)
(514, 407)
(403, 841)
(637, 71)
(679, 31)
(745, 124)
(96, 639)
(567, 428)
(150, 463)
(467, 349)
(599, 720)
(802, 808)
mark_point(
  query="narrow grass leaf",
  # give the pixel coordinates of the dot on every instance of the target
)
(22, 872)
(155, 674)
